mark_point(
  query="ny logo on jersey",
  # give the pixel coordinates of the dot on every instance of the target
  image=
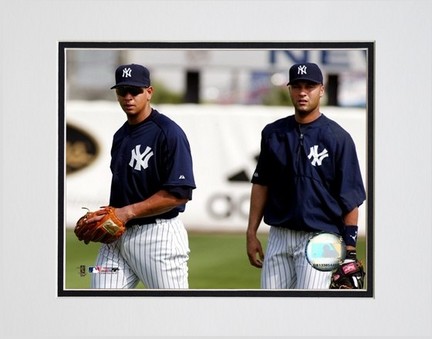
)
(317, 157)
(127, 72)
(140, 160)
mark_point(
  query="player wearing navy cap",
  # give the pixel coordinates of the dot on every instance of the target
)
(152, 180)
(307, 180)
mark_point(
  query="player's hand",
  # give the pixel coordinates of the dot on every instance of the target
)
(349, 275)
(121, 214)
(255, 251)
(98, 215)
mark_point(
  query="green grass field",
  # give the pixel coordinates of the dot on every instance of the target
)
(217, 261)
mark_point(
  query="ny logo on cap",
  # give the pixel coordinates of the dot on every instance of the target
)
(127, 73)
(302, 69)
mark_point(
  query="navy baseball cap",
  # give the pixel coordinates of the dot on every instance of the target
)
(132, 75)
(307, 72)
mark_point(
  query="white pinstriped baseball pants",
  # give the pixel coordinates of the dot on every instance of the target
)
(155, 254)
(285, 265)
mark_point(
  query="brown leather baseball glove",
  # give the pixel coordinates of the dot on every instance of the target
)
(106, 230)
(349, 275)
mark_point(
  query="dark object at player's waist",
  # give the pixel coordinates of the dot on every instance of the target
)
(151, 220)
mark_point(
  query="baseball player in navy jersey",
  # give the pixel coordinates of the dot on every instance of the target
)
(152, 180)
(307, 180)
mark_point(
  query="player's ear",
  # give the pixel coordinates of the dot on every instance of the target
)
(149, 91)
(289, 89)
(322, 90)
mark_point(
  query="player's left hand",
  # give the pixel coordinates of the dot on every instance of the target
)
(96, 216)
(255, 251)
(350, 274)
(100, 226)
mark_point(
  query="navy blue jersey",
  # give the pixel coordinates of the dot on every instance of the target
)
(147, 157)
(312, 174)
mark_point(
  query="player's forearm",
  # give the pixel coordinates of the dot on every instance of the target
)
(351, 218)
(258, 200)
(157, 204)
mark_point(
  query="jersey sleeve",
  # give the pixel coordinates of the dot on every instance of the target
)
(178, 162)
(352, 192)
(260, 174)
(182, 192)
